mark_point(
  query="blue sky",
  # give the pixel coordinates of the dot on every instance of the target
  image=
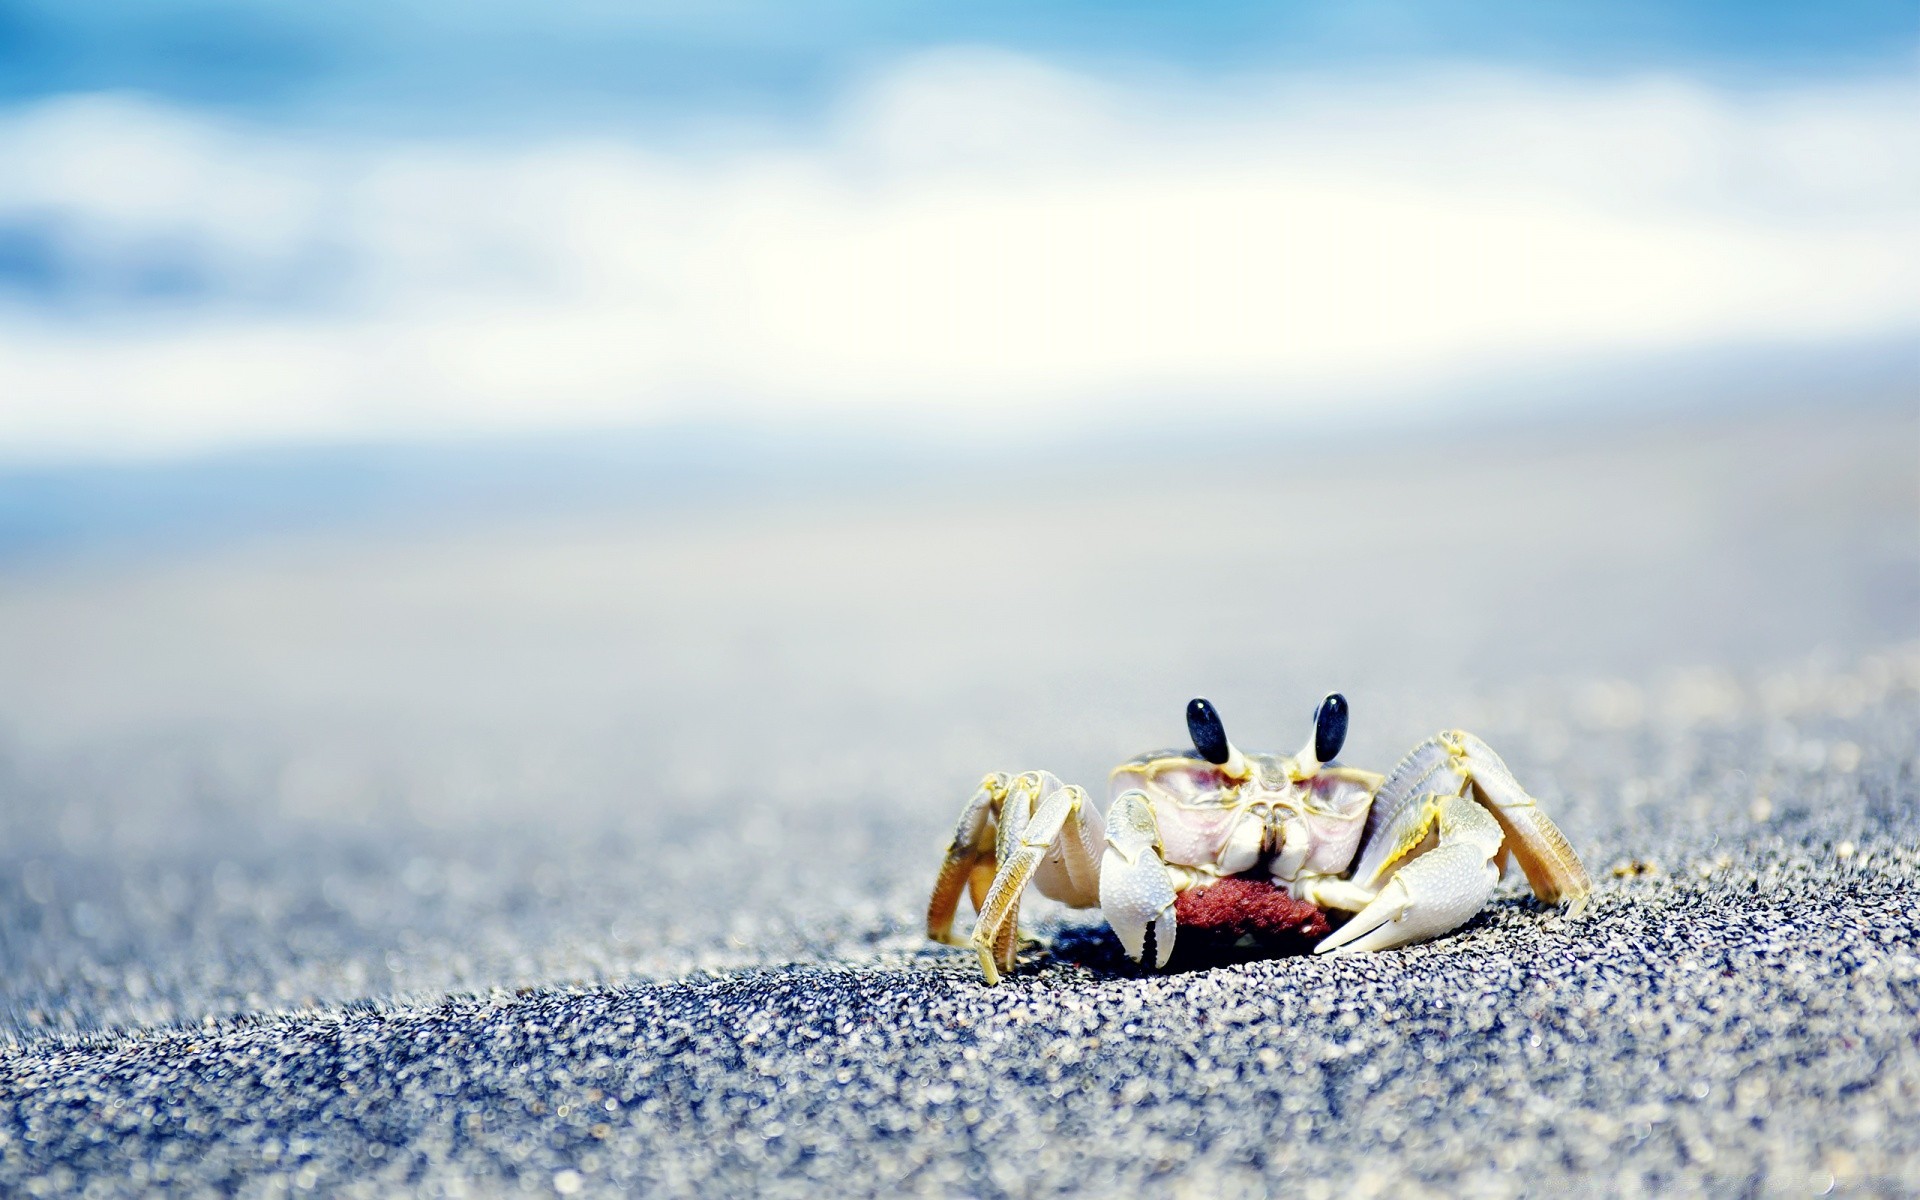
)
(228, 224)
(486, 62)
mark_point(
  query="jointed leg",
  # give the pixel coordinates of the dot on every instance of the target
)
(970, 863)
(1457, 763)
(1055, 836)
(1553, 870)
(1438, 838)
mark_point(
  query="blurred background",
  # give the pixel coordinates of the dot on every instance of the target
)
(504, 493)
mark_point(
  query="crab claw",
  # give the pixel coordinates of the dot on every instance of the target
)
(1436, 892)
(1136, 892)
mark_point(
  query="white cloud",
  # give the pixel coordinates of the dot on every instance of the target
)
(972, 235)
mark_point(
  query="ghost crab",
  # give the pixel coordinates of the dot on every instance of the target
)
(1412, 855)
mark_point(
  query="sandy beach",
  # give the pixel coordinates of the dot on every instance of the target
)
(586, 854)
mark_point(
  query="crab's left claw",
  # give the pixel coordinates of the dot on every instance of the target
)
(1438, 891)
(1136, 892)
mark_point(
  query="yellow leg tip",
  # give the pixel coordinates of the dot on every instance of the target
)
(987, 967)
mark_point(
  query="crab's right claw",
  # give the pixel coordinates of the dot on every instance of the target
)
(1136, 892)
(1434, 893)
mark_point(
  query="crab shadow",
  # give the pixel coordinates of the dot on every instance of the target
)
(1095, 948)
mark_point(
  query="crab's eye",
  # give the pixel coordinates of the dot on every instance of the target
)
(1330, 727)
(1209, 735)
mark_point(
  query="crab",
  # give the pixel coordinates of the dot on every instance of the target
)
(1411, 855)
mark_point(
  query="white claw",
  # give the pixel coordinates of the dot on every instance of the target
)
(1136, 896)
(1136, 893)
(1435, 893)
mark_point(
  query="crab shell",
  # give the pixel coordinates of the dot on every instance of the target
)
(1229, 819)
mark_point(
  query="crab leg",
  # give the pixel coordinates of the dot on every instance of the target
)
(1457, 763)
(1438, 838)
(1552, 869)
(1136, 892)
(1430, 890)
(1053, 838)
(970, 862)
(996, 932)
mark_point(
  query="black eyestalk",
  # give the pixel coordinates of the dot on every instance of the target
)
(1329, 727)
(1209, 735)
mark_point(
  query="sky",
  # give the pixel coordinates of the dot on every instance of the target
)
(229, 225)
